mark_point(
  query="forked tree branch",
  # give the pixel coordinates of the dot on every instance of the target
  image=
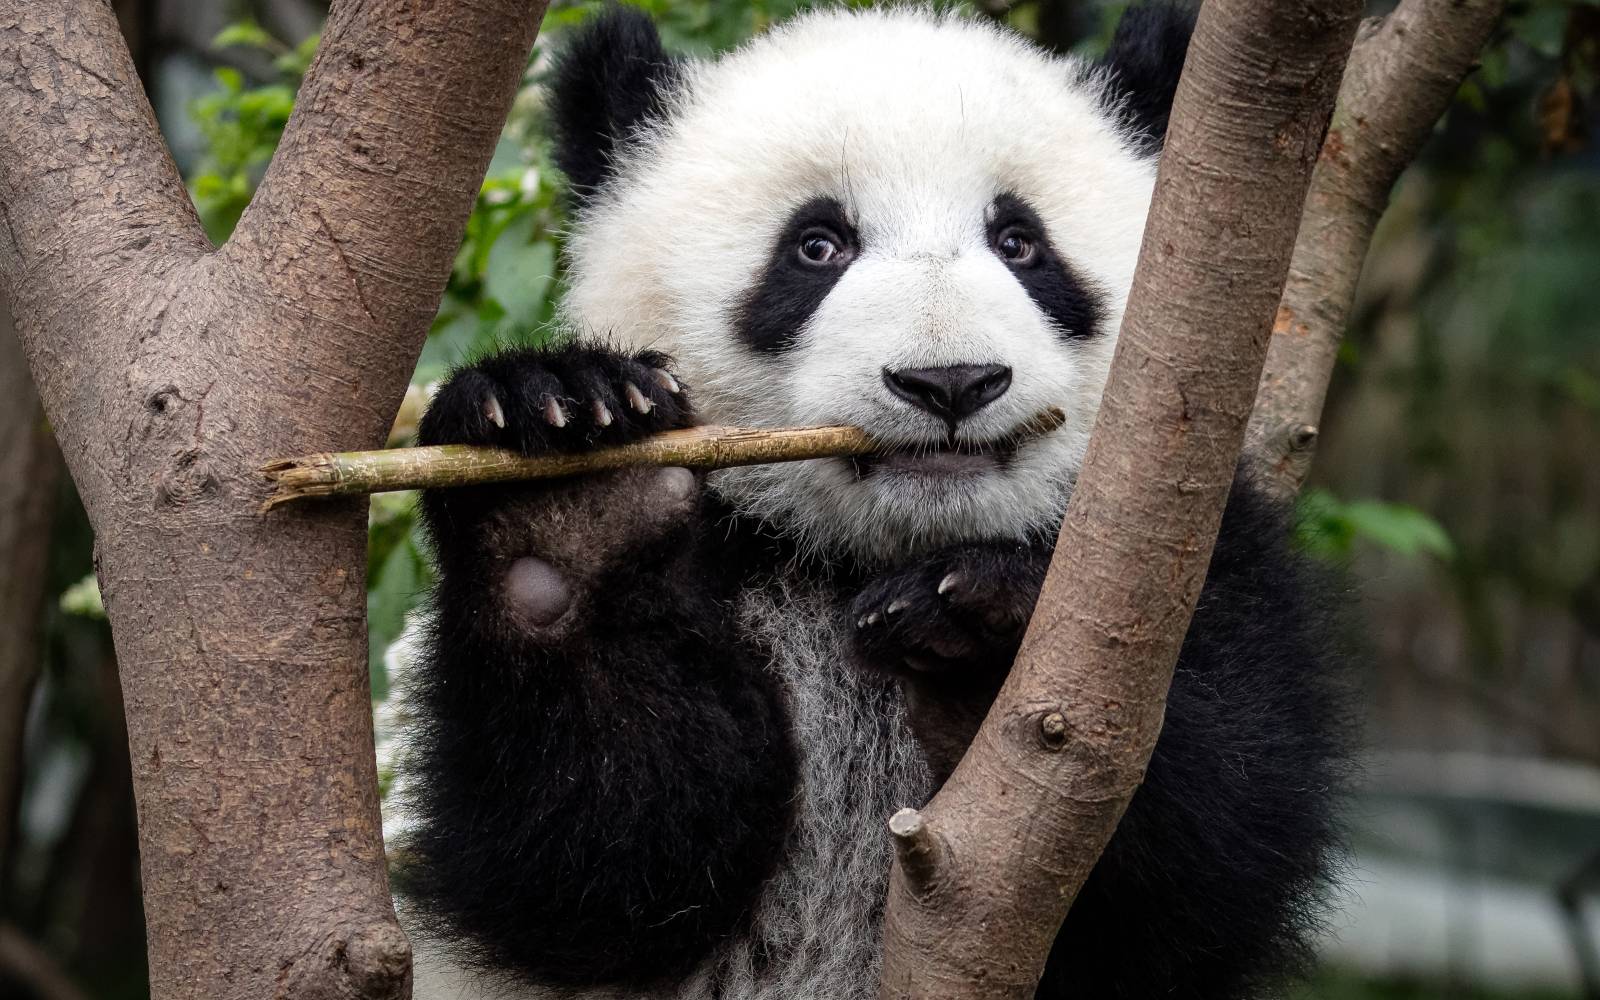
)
(1404, 71)
(1003, 848)
(171, 374)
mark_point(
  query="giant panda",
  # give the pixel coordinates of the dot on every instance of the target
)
(662, 717)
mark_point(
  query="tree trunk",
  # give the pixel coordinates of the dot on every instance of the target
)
(171, 373)
(1403, 73)
(988, 870)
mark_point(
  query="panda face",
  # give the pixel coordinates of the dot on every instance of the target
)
(909, 222)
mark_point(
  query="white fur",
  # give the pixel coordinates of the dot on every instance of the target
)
(816, 923)
(915, 122)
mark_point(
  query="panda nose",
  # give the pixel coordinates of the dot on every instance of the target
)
(952, 393)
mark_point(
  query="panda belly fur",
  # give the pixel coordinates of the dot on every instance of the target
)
(814, 931)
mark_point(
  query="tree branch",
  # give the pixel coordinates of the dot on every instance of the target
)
(1031, 806)
(87, 189)
(354, 473)
(1403, 73)
(351, 221)
(171, 375)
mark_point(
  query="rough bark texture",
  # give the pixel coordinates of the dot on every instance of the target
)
(171, 374)
(987, 875)
(29, 466)
(1403, 73)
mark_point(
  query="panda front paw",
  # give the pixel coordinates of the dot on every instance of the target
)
(960, 610)
(572, 397)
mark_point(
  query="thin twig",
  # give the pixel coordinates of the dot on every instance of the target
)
(352, 473)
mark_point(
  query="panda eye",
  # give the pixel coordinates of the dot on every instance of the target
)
(1015, 246)
(820, 247)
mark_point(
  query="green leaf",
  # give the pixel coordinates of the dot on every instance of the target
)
(83, 598)
(231, 79)
(247, 34)
(1329, 528)
(1400, 528)
(520, 271)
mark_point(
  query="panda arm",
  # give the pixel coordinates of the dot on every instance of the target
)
(600, 771)
(1211, 882)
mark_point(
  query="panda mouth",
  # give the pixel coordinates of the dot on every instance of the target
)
(950, 458)
(943, 459)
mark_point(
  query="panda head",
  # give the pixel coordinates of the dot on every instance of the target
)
(910, 221)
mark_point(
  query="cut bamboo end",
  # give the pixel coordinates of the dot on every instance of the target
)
(353, 473)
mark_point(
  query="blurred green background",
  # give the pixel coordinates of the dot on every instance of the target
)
(1459, 482)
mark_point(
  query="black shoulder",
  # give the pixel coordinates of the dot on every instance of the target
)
(610, 76)
(1145, 60)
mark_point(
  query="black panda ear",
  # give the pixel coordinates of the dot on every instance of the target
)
(611, 75)
(1145, 59)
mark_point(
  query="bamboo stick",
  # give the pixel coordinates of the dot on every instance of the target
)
(351, 473)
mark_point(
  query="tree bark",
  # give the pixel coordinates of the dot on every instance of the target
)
(988, 870)
(171, 373)
(1403, 72)
(29, 466)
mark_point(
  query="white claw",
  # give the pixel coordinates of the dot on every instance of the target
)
(602, 414)
(492, 410)
(637, 399)
(666, 381)
(949, 582)
(874, 618)
(554, 413)
(895, 608)
(861, 622)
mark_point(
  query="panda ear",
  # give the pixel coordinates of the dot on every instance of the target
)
(610, 76)
(1145, 59)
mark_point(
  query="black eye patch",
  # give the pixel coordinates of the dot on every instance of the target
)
(798, 275)
(1055, 288)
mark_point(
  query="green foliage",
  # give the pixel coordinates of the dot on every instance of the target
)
(242, 125)
(83, 599)
(1330, 528)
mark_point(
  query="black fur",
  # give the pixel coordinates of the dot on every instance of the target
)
(603, 768)
(1210, 886)
(1049, 280)
(1145, 60)
(600, 796)
(790, 289)
(611, 77)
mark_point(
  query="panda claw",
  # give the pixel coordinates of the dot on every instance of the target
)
(493, 411)
(949, 583)
(666, 381)
(895, 608)
(602, 414)
(874, 618)
(638, 400)
(554, 413)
